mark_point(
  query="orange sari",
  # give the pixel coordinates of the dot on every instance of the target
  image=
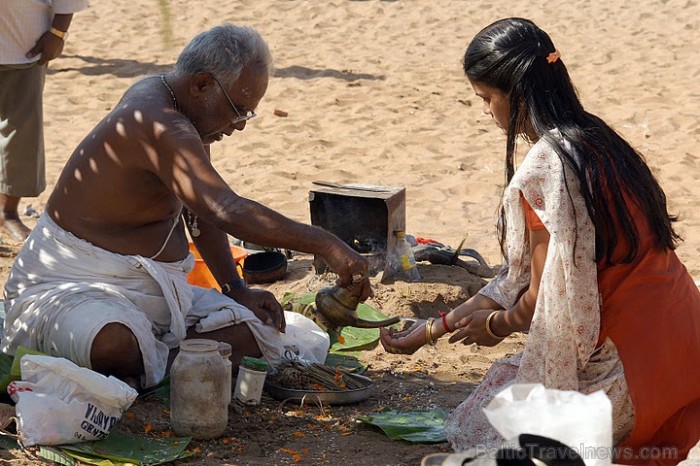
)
(651, 311)
(632, 330)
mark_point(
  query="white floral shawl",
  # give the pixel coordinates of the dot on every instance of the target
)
(566, 323)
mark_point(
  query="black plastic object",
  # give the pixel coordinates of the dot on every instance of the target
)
(264, 267)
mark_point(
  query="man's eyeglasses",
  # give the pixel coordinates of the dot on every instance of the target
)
(250, 114)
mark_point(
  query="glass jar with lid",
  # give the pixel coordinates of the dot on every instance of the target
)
(198, 398)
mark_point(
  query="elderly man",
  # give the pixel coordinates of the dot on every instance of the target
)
(102, 278)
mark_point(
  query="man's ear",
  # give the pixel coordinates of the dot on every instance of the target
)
(200, 84)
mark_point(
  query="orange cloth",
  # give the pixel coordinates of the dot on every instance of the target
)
(531, 219)
(651, 311)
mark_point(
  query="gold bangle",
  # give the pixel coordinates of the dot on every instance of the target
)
(429, 331)
(63, 35)
(488, 326)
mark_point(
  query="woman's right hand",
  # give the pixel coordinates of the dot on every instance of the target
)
(405, 342)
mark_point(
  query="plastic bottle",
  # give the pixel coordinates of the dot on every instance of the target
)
(405, 263)
(198, 398)
(225, 352)
(251, 379)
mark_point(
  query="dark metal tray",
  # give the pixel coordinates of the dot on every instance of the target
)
(331, 397)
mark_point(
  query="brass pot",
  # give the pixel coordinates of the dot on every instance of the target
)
(338, 306)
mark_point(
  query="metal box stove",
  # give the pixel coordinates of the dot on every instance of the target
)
(364, 216)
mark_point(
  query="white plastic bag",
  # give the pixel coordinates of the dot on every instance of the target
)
(582, 422)
(59, 402)
(304, 339)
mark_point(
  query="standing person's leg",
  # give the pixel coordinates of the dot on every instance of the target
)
(22, 172)
(9, 218)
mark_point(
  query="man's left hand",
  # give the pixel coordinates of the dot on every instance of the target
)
(264, 305)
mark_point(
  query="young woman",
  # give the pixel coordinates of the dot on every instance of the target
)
(591, 271)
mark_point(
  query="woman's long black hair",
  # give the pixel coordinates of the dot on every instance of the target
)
(512, 55)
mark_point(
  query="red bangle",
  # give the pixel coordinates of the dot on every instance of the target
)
(443, 316)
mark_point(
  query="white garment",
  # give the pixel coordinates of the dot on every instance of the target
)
(566, 323)
(59, 280)
(22, 22)
(560, 351)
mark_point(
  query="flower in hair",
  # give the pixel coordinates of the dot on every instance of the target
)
(553, 57)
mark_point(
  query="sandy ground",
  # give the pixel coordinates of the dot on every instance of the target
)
(375, 94)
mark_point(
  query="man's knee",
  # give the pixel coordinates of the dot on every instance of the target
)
(115, 349)
(240, 337)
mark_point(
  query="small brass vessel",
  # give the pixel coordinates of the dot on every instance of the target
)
(338, 306)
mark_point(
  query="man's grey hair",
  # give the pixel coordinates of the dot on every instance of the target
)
(225, 51)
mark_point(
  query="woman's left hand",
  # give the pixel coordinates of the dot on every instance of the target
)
(472, 330)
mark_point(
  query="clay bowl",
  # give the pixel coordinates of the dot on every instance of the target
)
(264, 267)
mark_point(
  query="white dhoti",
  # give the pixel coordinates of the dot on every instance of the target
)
(63, 290)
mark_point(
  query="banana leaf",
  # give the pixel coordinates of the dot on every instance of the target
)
(161, 392)
(359, 338)
(8, 443)
(69, 459)
(346, 362)
(56, 456)
(14, 372)
(139, 450)
(416, 426)
(94, 460)
(5, 371)
(350, 338)
(306, 298)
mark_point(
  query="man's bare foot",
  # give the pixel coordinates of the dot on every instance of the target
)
(15, 228)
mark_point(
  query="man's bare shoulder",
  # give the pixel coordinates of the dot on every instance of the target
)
(146, 101)
(147, 113)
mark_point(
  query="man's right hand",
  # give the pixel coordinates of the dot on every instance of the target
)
(351, 268)
(405, 342)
